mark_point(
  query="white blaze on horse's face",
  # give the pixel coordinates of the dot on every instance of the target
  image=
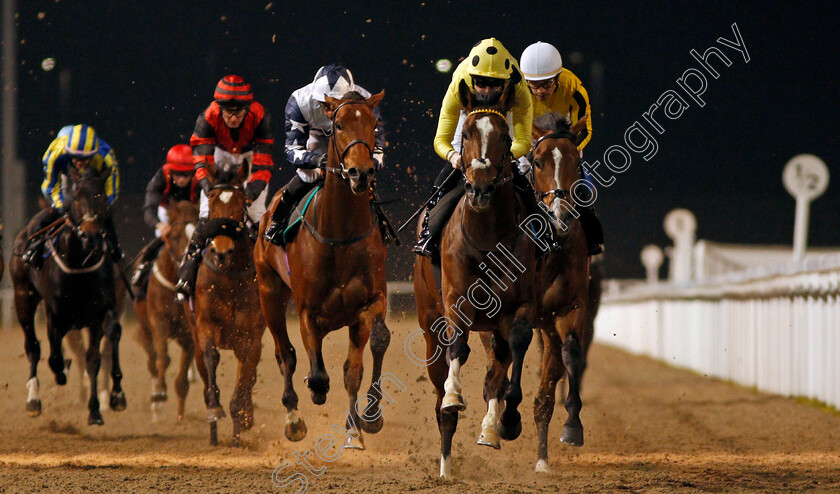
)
(225, 196)
(485, 127)
(558, 157)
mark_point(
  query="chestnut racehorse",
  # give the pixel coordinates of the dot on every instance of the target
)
(563, 281)
(487, 282)
(226, 299)
(76, 283)
(336, 272)
(161, 317)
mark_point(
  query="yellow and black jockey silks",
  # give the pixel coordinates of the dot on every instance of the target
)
(570, 98)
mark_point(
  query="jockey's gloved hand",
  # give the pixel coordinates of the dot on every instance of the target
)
(319, 160)
(378, 158)
(254, 189)
(205, 184)
(455, 159)
(524, 164)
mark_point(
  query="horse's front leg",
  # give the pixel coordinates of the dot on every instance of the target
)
(317, 380)
(55, 334)
(494, 387)
(353, 371)
(575, 362)
(117, 399)
(519, 338)
(457, 353)
(94, 360)
(380, 337)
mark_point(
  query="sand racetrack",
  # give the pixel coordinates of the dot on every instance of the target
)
(649, 428)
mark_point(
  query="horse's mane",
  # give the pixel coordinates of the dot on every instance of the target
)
(353, 95)
(553, 121)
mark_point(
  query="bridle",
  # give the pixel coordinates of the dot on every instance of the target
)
(558, 193)
(500, 179)
(341, 171)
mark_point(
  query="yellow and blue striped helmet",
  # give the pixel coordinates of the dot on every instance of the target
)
(82, 141)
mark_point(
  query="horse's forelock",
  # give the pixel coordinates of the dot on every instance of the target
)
(553, 122)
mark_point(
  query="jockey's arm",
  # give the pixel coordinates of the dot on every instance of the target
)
(297, 133)
(450, 111)
(579, 107)
(203, 142)
(263, 164)
(53, 168)
(154, 194)
(523, 117)
(112, 184)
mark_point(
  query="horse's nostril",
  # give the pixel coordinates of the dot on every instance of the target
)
(468, 187)
(353, 173)
(370, 172)
(490, 190)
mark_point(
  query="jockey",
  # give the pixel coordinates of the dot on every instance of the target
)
(76, 145)
(308, 132)
(233, 131)
(175, 180)
(555, 89)
(487, 70)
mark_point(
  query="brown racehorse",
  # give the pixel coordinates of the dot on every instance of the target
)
(563, 280)
(485, 283)
(76, 283)
(226, 299)
(161, 317)
(336, 272)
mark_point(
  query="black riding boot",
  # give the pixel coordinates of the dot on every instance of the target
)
(188, 271)
(140, 278)
(110, 234)
(433, 224)
(592, 229)
(293, 193)
(33, 254)
(533, 206)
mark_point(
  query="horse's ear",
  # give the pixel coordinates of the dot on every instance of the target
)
(331, 105)
(580, 126)
(465, 95)
(243, 172)
(508, 97)
(211, 171)
(375, 99)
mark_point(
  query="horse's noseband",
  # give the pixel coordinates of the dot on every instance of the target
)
(341, 170)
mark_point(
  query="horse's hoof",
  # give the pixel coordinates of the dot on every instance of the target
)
(542, 466)
(295, 426)
(511, 431)
(95, 418)
(318, 398)
(573, 436)
(117, 402)
(373, 426)
(490, 437)
(215, 414)
(33, 408)
(453, 402)
(159, 396)
(354, 442)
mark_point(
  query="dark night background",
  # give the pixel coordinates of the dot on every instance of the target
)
(142, 71)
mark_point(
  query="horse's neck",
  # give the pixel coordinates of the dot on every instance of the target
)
(340, 212)
(496, 223)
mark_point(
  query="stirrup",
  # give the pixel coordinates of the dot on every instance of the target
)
(183, 290)
(596, 249)
(138, 274)
(423, 247)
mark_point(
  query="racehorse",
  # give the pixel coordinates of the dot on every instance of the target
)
(487, 282)
(563, 313)
(161, 317)
(226, 297)
(336, 272)
(76, 283)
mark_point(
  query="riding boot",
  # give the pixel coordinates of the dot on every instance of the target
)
(533, 206)
(188, 272)
(110, 234)
(427, 238)
(140, 278)
(33, 253)
(592, 229)
(274, 231)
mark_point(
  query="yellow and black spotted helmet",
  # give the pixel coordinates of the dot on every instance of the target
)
(490, 58)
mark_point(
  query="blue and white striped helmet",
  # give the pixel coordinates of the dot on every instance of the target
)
(332, 80)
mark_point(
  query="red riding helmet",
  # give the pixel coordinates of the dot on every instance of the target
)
(179, 158)
(233, 93)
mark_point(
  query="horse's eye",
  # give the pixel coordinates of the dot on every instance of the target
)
(338, 126)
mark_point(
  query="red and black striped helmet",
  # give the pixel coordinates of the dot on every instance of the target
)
(232, 92)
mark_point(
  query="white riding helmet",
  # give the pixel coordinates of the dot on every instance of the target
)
(540, 61)
(332, 80)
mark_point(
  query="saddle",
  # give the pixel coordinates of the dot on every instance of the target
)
(297, 215)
